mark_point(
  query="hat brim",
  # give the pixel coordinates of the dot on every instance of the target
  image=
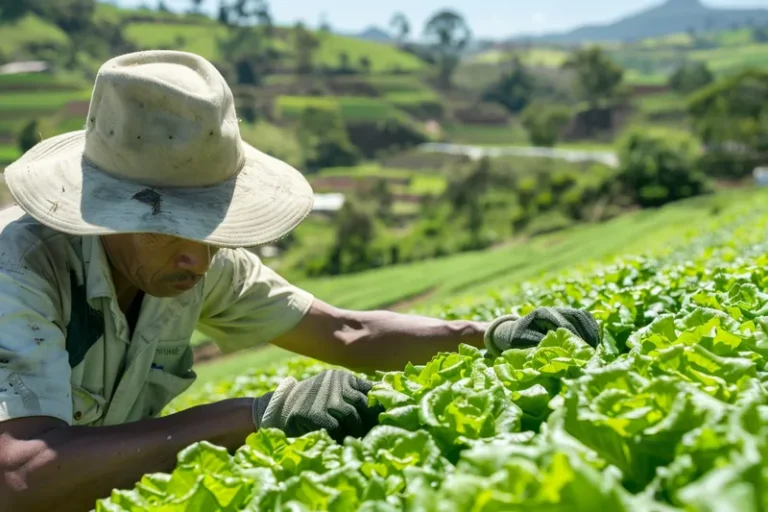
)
(56, 185)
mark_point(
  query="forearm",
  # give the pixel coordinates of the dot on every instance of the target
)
(384, 340)
(69, 468)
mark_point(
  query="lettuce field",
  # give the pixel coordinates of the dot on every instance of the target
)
(669, 413)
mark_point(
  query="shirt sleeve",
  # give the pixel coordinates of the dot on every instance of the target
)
(247, 303)
(34, 365)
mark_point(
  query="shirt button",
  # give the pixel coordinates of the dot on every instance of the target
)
(78, 415)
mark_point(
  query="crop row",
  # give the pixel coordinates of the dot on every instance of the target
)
(669, 413)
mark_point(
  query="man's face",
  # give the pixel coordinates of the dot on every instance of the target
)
(159, 265)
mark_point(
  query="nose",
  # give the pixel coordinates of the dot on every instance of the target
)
(195, 257)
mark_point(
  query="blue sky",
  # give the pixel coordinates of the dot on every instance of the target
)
(488, 18)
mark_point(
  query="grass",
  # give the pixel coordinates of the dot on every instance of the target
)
(199, 39)
(411, 97)
(668, 102)
(30, 30)
(434, 281)
(275, 141)
(9, 153)
(636, 77)
(539, 57)
(34, 102)
(421, 182)
(365, 109)
(352, 108)
(511, 135)
(384, 58)
(238, 365)
(393, 84)
(39, 81)
(728, 60)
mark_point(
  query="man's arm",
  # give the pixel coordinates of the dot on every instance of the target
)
(376, 340)
(48, 465)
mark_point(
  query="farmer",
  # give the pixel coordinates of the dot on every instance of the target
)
(131, 234)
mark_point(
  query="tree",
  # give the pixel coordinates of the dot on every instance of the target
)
(545, 121)
(599, 78)
(324, 139)
(690, 77)
(660, 165)
(449, 35)
(515, 88)
(344, 61)
(731, 117)
(161, 7)
(383, 199)
(355, 231)
(760, 34)
(11, 10)
(305, 45)
(401, 27)
(366, 64)
(196, 4)
(250, 51)
(324, 27)
(223, 15)
(29, 136)
(252, 12)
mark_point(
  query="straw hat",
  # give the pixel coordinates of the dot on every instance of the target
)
(161, 152)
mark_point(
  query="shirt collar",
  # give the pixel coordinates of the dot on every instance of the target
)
(98, 274)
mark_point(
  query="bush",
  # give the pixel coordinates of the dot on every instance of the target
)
(731, 117)
(659, 166)
(372, 137)
(690, 77)
(324, 141)
(28, 136)
(545, 121)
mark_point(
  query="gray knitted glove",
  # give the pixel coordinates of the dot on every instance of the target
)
(511, 331)
(333, 400)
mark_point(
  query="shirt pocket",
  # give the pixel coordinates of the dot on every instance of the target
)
(170, 375)
(162, 387)
(87, 408)
(173, 356)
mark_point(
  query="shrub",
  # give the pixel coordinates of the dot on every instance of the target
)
(324, 140)
(660, 165)
(544, 122)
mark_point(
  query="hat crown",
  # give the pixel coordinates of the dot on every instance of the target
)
(163, 118)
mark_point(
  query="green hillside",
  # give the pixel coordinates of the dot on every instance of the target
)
(203, 38)
(650, 61)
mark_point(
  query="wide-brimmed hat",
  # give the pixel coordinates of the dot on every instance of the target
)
(161, 152)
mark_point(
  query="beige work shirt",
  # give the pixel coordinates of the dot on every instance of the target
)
(64, 346)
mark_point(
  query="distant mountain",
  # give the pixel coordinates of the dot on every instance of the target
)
(671, 17)
(374, 34)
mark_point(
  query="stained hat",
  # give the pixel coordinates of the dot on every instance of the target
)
(161, 152)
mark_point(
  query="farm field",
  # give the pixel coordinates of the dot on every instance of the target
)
(203, 38)
(667, 413)
(425, 182)
(483, 272)
(352, 108)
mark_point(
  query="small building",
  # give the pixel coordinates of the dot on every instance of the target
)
(328, 204)
(32, 66)
(761, 176)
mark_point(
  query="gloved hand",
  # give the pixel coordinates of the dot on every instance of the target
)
(334, 400)
(511, 331)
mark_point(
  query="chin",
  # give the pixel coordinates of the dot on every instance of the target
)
(165, 293)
